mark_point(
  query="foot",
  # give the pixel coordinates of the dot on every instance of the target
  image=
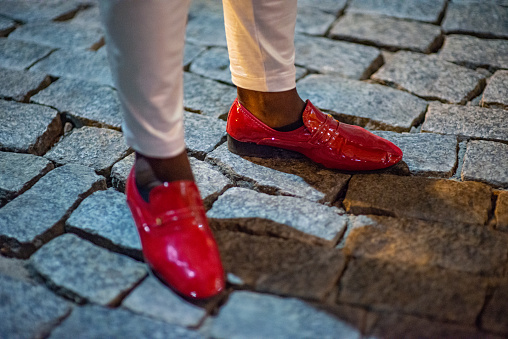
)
(321, 138)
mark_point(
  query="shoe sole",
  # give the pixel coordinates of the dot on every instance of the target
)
(250, 149)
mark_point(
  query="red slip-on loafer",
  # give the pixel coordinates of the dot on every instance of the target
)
(177, 242)
(321, 138)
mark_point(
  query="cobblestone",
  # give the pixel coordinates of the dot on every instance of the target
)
(14, 181)
(191, 52)
(15, 269)
(440, 80)
(328, 6)
(92, 103)
(496, 92)
(495, 317)
(466, 122)
(501, 213)
(36, 11)
(27, 222)
(475, 52)
(390, 33)
(28, 128)
(336, 57)
(20, 54)
(304, 215)
(6, 26)
(422, 198)
(120, 172)
(98, 148)
(427, 10)
(487, 162)
(476, 18)
(214, 64)
(84, 272)
(313, 21)
(203, 133)
(20, 85)
(369, 105)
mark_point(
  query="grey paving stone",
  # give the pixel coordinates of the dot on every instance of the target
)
(210, 181)
(18, 172)
(20, 54)
(92, 103)
(28, 311)
(390, 33)
(496, 92)
(495, 316)
(296, 177)
(313, 21)
(105, 218)
(486, 161)
(191, 52)
(430, 292)
(329, 6)
(84, 272)
(6, 26)
(88, 18)
(278, 266)
(454, 246)
(34, 11)
(466, 121)
(153, 299)
(250, 315)
(120, 172)
(28, 128)
(425, 154)
(213, 63)
(304, 215)
(426, 10)
(98, 148)
(202, 133)
(83, 65)
(421, 198)
(336, 57)
(206, 24)
(206, 96)
(57, 34)
(499, 2)
(15, 269)
(476, 18)
(93, 321)
(431, 78)
(19, 84)
(28, 221)
(501, 212)
(475, 52)
(368, 105)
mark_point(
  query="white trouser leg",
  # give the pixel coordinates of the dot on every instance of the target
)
(145, 40)
(260, 38)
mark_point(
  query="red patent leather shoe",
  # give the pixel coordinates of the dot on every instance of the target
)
(177, 242)
(321, 138)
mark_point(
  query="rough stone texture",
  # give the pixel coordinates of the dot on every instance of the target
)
(98, 148)
(250, 315)
(431, 292)
(422, 198)
(369, 105)
(120, 172)
(328, 6)
(313, 21)
(466, 121)
(307, 271)
(19, 172)
(336, 57)
(28, 128)
(202, 133)
(206, 24)
(20, 85)
(475, 52)
(390, 33)
(28, 311)
(459, 247)
(210, 181)
(100, 322)
(92, 103)
(6, 26)
(214, 64)
(105, 219)
(431, 78)
(166, 306)
(297, 177)
(206, 96)
(35, 11)
(191, 52)
(476, 18)
(84, 65)
(421, 10)
(495, 316)
(425, 154)
(486, 161)
(496, 92)
(57, 34)
(19, 54)
(304, 215)
(15, 269)
(85, 272)
(27, 222)
(87, 18)
(501, 212)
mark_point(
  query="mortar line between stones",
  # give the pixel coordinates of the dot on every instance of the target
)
(57, 323)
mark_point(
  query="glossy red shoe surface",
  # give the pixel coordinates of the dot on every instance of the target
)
(322, 139)
(177, 242)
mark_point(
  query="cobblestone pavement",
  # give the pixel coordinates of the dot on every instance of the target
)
(418, 250)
